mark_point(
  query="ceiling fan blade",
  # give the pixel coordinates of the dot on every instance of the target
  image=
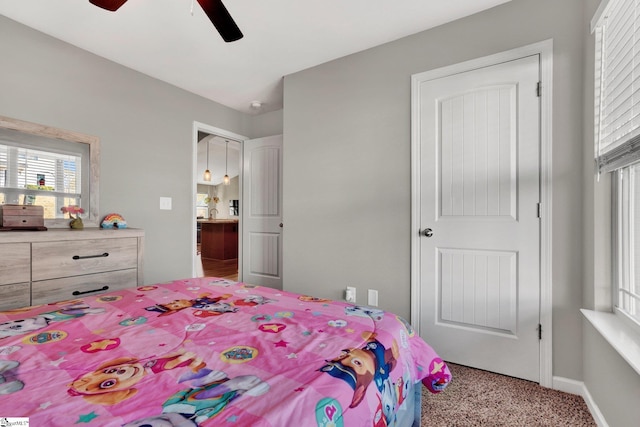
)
(111, 5)
(221, 19)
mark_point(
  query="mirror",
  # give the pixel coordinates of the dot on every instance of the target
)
(50, 167)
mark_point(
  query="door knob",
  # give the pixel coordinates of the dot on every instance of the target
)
(427, 232)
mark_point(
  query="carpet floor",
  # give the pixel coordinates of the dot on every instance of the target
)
(480, 398)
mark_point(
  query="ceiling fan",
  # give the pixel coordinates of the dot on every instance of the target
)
(215, 10)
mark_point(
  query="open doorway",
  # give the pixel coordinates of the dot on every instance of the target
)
(217, 189)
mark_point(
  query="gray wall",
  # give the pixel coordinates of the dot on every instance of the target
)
(265, 124)
(612, 383)
(618, 395)
(347, 161)
(144, 126)
(226, 193)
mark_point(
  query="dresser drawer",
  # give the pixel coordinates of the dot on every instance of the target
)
(14, 296)
(72, 258)
(15, 263)
(22, 221)
(79, 287)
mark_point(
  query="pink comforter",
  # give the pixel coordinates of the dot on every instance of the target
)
(209, 352)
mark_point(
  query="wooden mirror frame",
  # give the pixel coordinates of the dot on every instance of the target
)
(92, 220)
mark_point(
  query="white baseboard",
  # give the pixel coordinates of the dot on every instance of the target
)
(568, 386)
(577, 387)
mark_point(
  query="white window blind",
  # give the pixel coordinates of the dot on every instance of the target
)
(40, 170)
(617, 90)
(37, 177)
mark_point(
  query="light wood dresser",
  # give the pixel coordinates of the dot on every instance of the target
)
(38, 267)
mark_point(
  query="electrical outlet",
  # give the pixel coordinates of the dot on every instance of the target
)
(350, 294)
(372, 298)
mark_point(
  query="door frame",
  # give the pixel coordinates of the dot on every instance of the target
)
(202, 127)
(545, 50)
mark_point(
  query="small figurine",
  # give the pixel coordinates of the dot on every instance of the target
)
(113, 220)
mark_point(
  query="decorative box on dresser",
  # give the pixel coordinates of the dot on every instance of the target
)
(38, 267)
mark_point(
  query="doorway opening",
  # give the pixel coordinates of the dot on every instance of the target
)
(217, 197)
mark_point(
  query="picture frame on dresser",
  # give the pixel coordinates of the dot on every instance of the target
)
(21, 141)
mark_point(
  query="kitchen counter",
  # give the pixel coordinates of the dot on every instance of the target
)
(217, 221)
(219, 238)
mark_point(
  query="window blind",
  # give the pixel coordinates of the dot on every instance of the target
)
(39, 170)
(617, 90)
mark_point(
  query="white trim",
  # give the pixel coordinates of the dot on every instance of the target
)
(545, 50)
(416, 155)
(597, 415)
(578, 388)
(600, 12)
(197, 126)
(546, 197)
(567, 385)
(620, 332)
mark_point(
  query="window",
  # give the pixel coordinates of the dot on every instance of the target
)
(49, 167)
(617, 136)
(627, 250)
(202, 205)
(37, 177)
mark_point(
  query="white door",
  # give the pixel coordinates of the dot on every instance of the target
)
(262, 212)
(480, 231)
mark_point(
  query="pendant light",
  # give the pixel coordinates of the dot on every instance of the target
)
(226, 179)
(207, 173)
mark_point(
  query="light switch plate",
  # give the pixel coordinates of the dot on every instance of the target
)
(165, 203)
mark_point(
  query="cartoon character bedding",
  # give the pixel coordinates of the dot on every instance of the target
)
(210, 352)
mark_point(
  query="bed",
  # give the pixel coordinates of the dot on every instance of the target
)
(209, 351)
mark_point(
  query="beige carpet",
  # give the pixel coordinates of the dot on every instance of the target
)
(480, 398)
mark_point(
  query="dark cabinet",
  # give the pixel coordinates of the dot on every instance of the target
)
(219, 240)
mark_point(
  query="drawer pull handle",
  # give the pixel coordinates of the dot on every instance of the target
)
(104, 288)
(106, 254)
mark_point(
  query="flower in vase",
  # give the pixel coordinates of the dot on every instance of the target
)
(72, 210)
(76, 221)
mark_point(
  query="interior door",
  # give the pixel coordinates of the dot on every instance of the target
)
(479, 250)
(262, 214)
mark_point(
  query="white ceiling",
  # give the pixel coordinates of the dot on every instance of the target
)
(162, 39)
